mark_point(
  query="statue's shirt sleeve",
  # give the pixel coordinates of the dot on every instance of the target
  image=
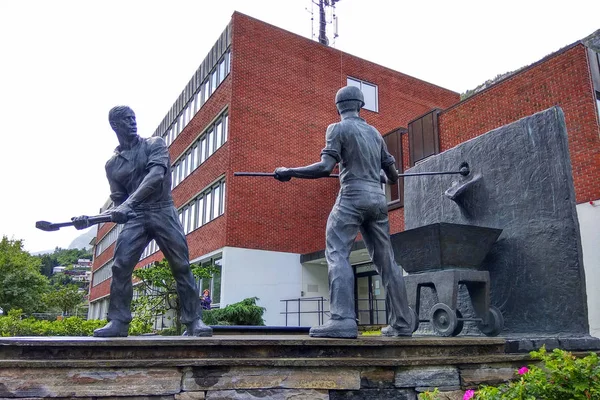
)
(158, 154)
(333, 143)
(386, 158)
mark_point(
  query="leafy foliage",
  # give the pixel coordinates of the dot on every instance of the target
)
(246, 312)
(158, 294)
(561, 376)
(430, 395)
(21, 284)
(13, 325)
(61, 279)
(64, 298)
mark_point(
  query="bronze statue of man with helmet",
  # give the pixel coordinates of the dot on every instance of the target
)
(360, 206)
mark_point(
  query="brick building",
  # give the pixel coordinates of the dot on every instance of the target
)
(263, 98)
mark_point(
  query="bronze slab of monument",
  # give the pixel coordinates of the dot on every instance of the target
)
(524, 186)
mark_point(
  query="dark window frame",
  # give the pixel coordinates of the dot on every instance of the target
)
(423, 137)
(393, 141)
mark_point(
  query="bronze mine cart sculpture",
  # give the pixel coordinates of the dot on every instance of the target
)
(443, 256)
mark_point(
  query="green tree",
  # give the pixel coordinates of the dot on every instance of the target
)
(158, 294)
(61, 279)
(48, 262)
(68, 257)
(21, 284)
(64, 298)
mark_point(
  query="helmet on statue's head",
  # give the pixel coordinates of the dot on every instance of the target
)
(349, 93)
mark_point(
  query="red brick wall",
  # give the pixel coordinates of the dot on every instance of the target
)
(563, 80)
(103, 230)
(103, 257)
(99, 290)
(283, 90)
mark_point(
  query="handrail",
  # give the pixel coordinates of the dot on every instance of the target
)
(320, 308)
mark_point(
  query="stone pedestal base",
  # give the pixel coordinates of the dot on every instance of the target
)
(250, 367)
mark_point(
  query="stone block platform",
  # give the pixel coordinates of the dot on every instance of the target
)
(249, 367)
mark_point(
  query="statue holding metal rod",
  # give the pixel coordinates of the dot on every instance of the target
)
(360, 206)
(139, 175)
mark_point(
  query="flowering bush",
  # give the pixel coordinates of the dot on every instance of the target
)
(561, 376)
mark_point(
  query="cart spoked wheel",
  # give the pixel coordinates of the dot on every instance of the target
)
(495, 323)
(415, 320)
(443, 320)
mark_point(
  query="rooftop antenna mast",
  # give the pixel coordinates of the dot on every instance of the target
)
(324, 6)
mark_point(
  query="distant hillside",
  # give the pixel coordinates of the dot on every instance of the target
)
(83, 241)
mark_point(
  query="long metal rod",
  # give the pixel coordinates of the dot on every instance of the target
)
(433, 173)
(463, 172)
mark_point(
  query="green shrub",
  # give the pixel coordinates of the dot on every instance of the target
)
(139, 327)
(13, 325)
(246, 312)
(371, 333)
(561, 376)
(172, 331)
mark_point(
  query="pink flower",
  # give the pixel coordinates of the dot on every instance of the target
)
(469, 394)
(523, 370)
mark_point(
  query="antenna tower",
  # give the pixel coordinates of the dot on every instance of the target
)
(327, 16)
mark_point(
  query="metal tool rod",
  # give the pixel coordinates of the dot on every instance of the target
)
(431, 173)
(271, 174)
(49, 226)
(464, 171)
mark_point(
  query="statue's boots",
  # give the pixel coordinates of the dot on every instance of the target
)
(198, 328)
(336, 328)
(113, 329)
(391, 331)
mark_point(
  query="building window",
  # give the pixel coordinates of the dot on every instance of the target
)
(206, 89)
(108, 239)
(395, 193)
(203, 208)
(369, 91)
(202, 148)
(598, 103)
(103, 273)
(213, 284)
(423, 137)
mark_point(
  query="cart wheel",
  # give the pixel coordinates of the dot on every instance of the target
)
(495, 323)
(443, 319)
(415, 320)
(459, 324)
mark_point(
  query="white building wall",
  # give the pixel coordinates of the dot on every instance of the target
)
(315, 283)
(589, 225)
(269, 275)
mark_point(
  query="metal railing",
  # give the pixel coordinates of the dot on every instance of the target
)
(373, 310)
(320, 311)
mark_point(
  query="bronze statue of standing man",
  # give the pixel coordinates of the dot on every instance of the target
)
(139, 175)
(360, 206)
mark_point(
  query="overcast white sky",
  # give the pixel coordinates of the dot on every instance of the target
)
(64, 64)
